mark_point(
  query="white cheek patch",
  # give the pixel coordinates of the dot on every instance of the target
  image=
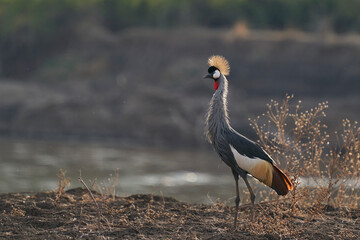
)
(216, 74)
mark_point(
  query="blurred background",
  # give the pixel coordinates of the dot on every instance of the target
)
(117, 84)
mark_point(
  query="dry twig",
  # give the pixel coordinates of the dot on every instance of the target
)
(98, 211)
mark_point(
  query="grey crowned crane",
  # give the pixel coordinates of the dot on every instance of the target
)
(242, 155)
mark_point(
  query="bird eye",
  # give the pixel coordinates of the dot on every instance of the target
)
(216, 74)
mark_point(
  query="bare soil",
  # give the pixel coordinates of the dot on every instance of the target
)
(74, 215)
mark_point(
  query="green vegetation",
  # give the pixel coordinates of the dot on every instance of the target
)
(37, 27)
(47, 15)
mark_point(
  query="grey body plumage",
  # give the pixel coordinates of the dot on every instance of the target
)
(221, 135)
(228, 143)
(217, 123)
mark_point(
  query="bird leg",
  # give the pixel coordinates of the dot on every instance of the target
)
(237, 199)
(252, 197)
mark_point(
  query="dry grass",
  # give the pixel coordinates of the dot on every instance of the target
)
(74, 216)
(62, 184)
(324, 167)
(327, 164)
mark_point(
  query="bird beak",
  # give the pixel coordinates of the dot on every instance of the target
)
(208, 76)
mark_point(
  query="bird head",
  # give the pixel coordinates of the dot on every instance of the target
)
(218, 66)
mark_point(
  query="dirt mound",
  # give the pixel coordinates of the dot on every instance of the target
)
(73, 215)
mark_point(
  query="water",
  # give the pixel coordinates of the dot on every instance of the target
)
(191, 176)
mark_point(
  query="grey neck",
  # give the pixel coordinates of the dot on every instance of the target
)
(217, 121)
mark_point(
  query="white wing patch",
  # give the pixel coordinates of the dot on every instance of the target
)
(245, 162)
(257, 167)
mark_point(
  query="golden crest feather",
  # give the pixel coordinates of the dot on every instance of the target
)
(220, 63)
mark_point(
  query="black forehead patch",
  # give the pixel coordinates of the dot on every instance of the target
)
(212, 69)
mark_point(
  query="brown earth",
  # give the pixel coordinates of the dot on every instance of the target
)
(73, 215)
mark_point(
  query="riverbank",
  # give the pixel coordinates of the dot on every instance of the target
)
(118, 88)
(74, 215)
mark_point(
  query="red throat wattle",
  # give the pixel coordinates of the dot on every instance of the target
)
(216, 85)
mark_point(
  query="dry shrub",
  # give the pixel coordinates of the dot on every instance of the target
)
(324, 168)
(108, 188)
(62, 184)
(239, 30)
